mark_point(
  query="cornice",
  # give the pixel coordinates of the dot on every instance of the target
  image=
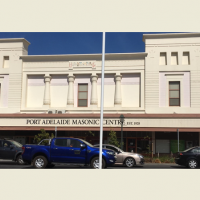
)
(170, 35)
(9, 40)
(80, 57)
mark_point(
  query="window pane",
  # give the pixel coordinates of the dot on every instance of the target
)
(61, 142)
(82, 87)
(82, 102)
(74, 143)
(174, 102)
(112, 148)
(82, 95)
(173, 94)
(174, 85)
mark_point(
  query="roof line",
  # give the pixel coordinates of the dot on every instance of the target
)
(170, 35)
(14, 40)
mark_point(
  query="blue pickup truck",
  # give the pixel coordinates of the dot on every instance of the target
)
(66, 150)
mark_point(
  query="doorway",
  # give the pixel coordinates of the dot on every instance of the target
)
(131, 145)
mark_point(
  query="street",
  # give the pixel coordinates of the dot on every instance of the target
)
(12, 165)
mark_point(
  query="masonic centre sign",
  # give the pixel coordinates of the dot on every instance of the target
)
(95, 122)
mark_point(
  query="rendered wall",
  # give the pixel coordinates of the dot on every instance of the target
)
(58, 90)
(130, 90)
(11, 73)
(35, 91)
(155, 89)
(109, 90)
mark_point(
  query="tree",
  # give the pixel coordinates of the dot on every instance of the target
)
(43, 135)
(113, 139)
(88, 134)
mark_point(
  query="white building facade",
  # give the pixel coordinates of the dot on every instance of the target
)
(157, 91)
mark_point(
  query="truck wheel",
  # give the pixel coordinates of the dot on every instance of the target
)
(40, 162)
(95, 163)
(20, 160)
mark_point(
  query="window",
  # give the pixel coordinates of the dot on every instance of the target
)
(186, 58)
(174, 58)
(6, 144)
(163, 58)
(61, 142)
(112, 148)
(74, 143)
(82, 95)
(196, 150)
(174, 93)
(6, 62)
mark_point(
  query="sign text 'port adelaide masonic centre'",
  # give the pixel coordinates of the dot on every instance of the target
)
(77, 122)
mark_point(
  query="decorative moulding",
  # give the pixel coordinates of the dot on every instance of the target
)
(82, 64)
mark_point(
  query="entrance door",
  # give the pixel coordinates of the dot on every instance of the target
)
(131, 145)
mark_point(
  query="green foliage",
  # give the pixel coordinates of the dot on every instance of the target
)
(113, 139)
(89, 134)
(43, 135)
(148, 146)
(162, 159)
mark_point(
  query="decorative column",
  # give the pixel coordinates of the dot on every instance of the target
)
(118, 97)
(94, 100)
(70, 97)
(47, 100)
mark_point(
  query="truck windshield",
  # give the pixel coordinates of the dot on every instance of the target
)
(90, 145)
(17, 144)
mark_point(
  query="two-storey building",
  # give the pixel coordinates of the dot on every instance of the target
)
(157, 91)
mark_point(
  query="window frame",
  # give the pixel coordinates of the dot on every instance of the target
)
(175, 90)
(82, 91)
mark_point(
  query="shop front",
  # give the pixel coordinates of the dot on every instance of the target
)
(142, 133)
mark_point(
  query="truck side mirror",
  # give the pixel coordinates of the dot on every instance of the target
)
(82, 145)
(11, 146)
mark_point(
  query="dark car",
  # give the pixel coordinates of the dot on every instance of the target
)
(189, 158)
(11, 150)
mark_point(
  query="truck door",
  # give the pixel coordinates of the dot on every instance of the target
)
(8, 152)
(59, 151)
(76, 154)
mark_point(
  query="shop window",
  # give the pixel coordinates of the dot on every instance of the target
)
(82, 95)
(174, 93)
(162, 146)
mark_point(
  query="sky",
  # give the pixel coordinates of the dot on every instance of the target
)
(52, 43)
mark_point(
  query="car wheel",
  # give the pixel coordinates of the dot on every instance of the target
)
(40, 162)
(129, 162)
(20, 160)
(95, 163)
(192, 164)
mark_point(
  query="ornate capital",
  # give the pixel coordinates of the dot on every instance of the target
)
(47, 78)
(118, 77)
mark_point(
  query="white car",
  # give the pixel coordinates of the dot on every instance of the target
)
(126, 158)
